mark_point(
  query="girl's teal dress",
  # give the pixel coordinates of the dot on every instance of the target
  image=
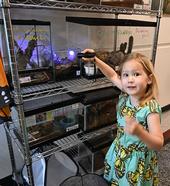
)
(128, 161)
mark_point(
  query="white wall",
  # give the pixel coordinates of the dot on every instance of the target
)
(163, 61)
(70, 35)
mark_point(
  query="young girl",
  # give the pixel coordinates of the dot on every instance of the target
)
(132, 159)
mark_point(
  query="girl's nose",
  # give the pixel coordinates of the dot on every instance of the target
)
(130, 78)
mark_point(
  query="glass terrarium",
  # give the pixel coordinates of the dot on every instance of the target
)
(33, 50)
(111, 38)
(54, 124)
(100, 114)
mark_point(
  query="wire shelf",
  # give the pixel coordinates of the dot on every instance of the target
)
(64, 5)
(73, 86)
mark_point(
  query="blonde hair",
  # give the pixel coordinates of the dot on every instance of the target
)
(152, 89)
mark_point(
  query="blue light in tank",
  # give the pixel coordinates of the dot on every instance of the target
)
(71, 54)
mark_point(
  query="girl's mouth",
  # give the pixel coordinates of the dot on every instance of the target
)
(131, 87)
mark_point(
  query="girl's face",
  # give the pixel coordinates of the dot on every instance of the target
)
(134, 79)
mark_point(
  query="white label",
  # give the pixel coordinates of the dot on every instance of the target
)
(72, 128)
(25, 79)
(78, 73)
(138, 6)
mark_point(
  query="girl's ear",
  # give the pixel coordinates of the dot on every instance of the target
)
(150, 79)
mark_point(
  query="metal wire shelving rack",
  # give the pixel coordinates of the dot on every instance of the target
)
(20, 94)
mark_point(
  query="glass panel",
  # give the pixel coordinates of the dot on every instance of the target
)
(32, 46)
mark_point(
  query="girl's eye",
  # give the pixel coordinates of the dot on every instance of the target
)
(136, 74)
(124, 75)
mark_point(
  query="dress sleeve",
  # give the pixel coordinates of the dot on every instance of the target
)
(153, 107)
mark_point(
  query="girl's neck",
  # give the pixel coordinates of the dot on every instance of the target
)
(134, 101)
